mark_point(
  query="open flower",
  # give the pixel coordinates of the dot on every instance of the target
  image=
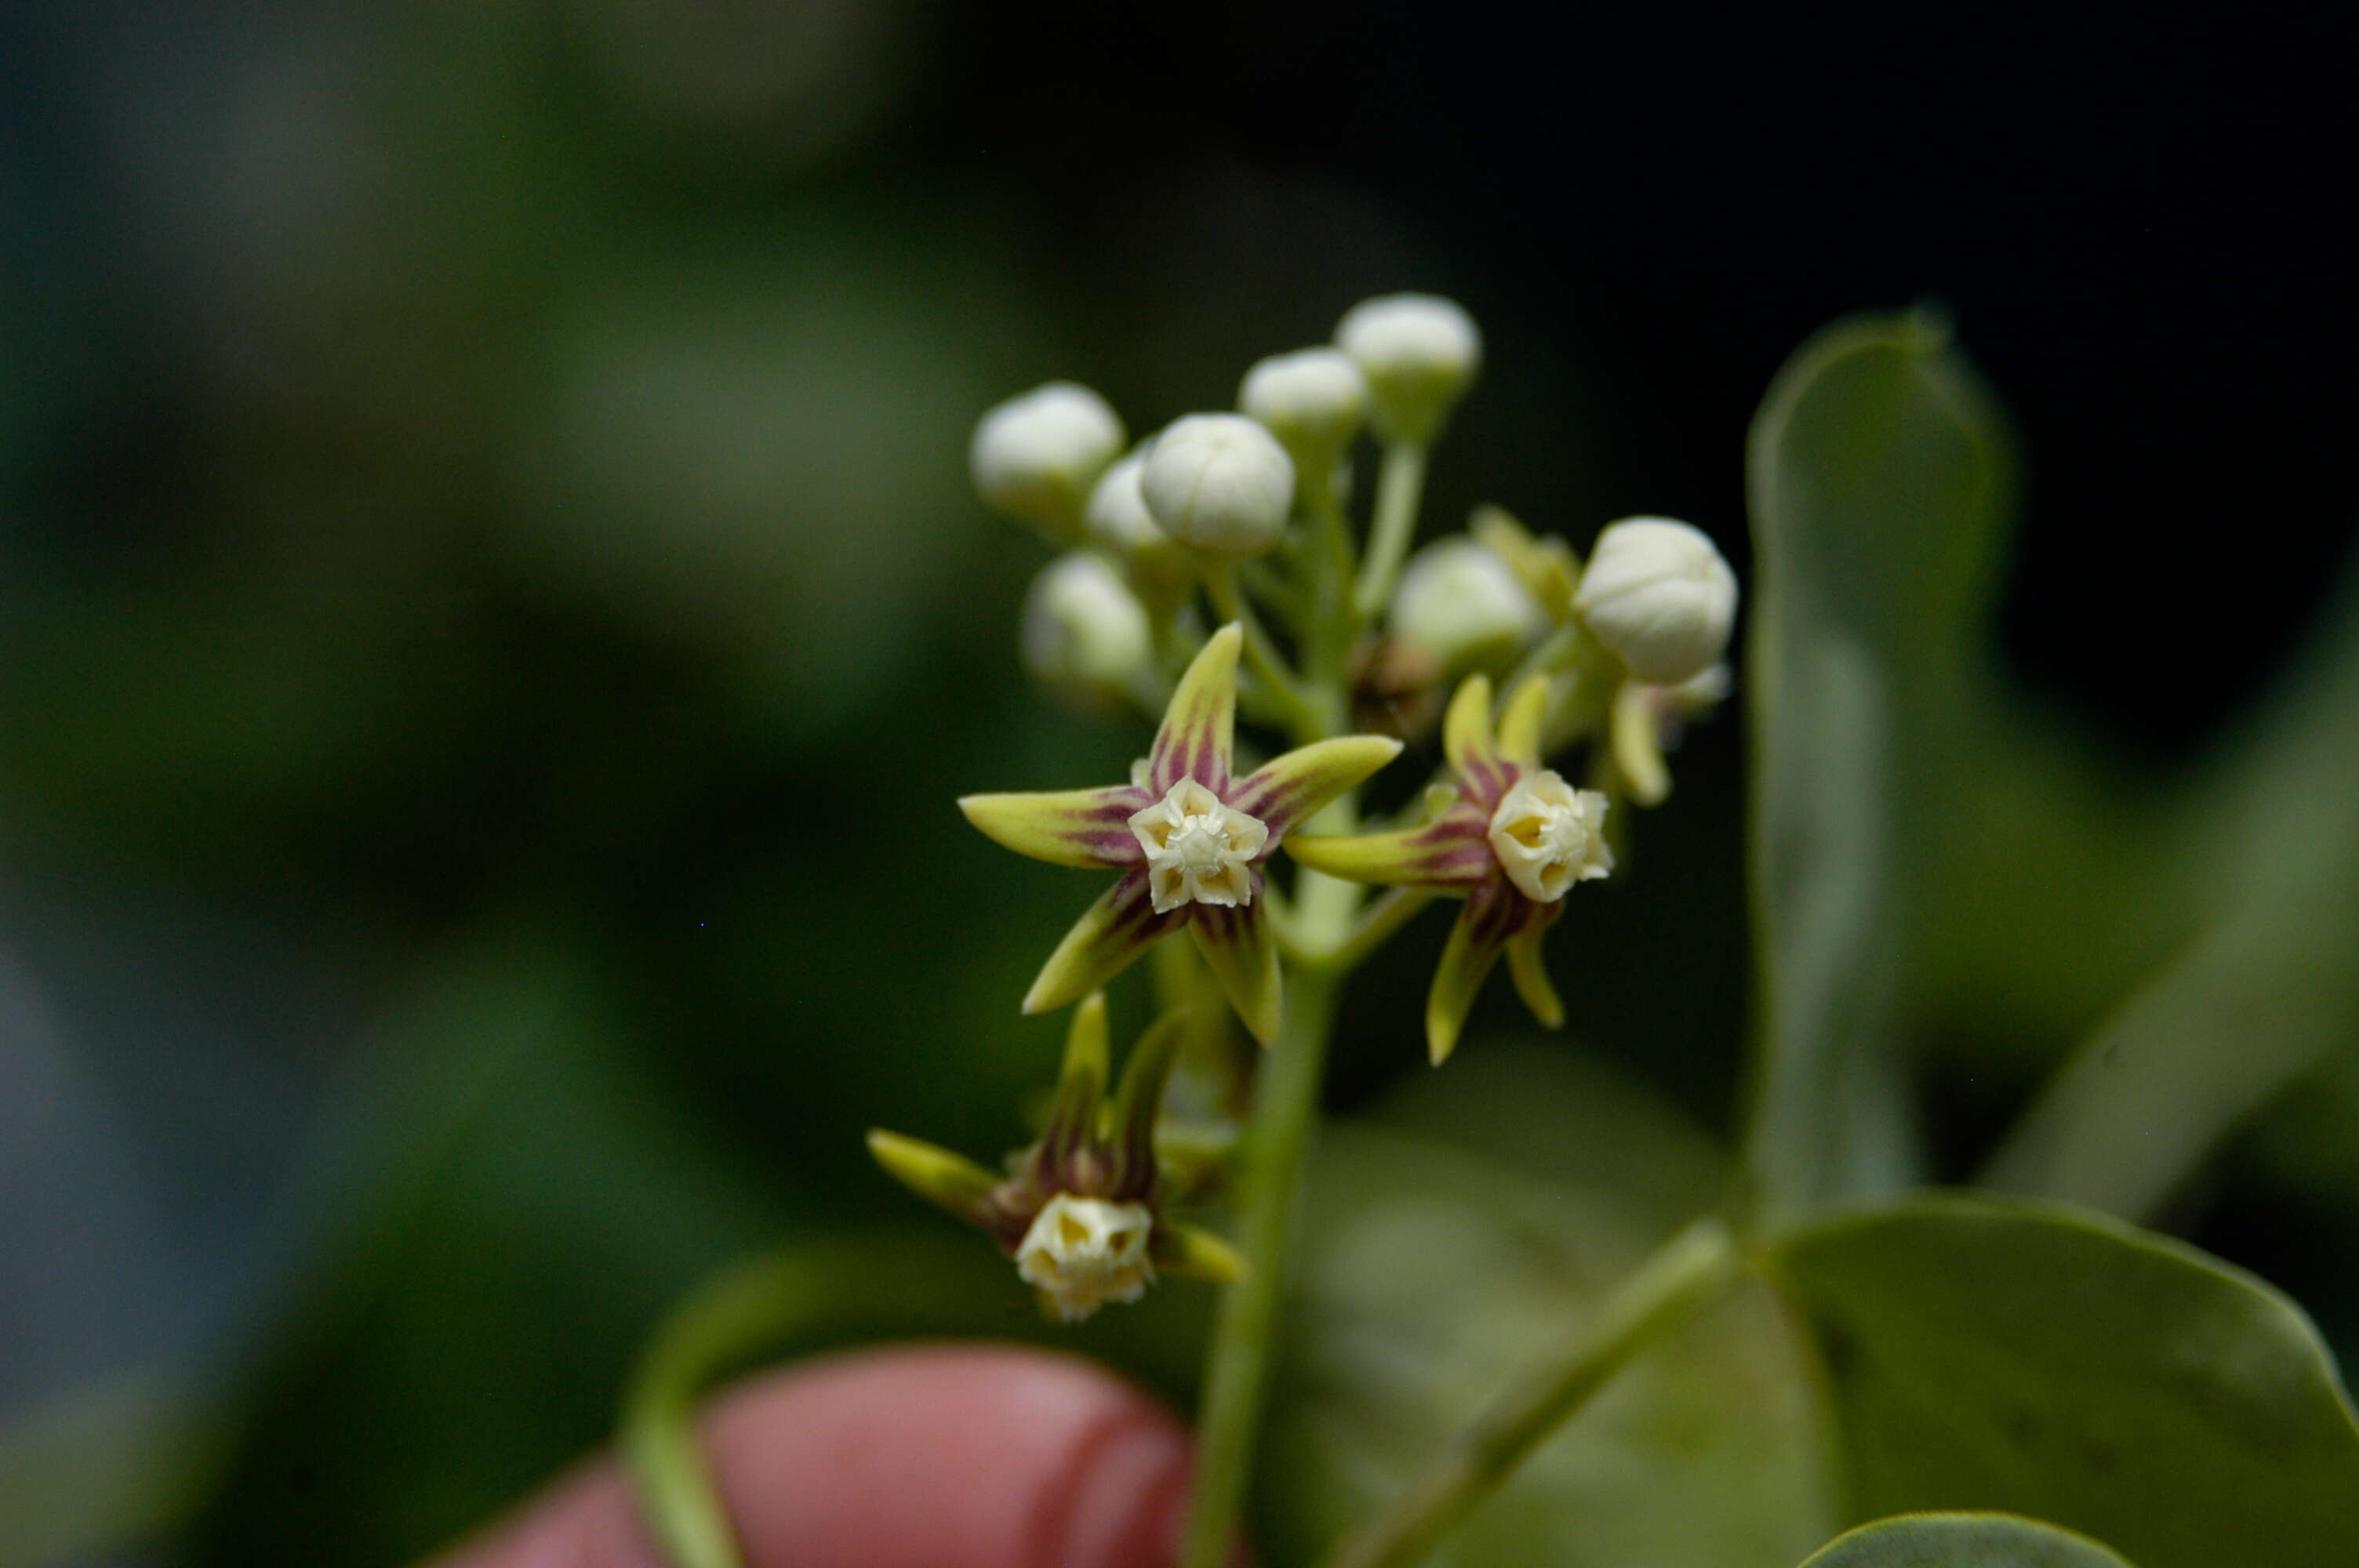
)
(1081, 1210)
(1188, 840)
(1512, 839)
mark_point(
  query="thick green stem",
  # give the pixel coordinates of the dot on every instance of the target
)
(1690, 1270)
(1286, 1108)
(1400, 485)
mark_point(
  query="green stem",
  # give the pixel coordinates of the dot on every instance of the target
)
(1237, 1374)
(1400, 485)
(1378, 925)
(728, 1322)
(1689, 1271)
(1261, 655)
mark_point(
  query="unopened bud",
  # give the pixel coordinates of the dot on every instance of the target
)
(1119, 521)
(1084, 632)
(1658, 597)
(1082, 1253)
(1219, 482)
(1314, 400)
(1419, 353)
(1034, 458)
(1462, 604)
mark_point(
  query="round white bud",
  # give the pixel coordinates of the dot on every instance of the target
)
(1419, 353)
(1084, 632)
(1034, 458)
(1314, 400)
(1118, 521)
(1462, 604)
(1658, 595)
(1219, 482)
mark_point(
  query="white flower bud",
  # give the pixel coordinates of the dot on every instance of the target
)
(1462, 604)
(1219, 482)
(1082, 1253)
(1314, 400)
(1658, 595)
(1083, 631)
(1419, 353)
(1118, 520)
(1034, 458)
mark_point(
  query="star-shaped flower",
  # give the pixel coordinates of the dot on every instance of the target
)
(1082, 1209)
(1512, 839)
(1188, 840)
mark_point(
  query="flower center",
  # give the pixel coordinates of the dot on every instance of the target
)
(1198, 850)
(1549, 836)
(1083, 1252)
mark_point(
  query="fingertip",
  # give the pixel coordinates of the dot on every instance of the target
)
(950, 1456)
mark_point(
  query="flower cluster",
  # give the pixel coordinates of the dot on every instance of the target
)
(1211, 571)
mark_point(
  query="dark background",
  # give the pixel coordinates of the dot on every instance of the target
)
(491, 618)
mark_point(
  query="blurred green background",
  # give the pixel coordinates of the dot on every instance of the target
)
(492, 618)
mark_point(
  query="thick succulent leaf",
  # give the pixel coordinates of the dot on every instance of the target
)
(1107, 939)
(1987, 1353)
(1086, 828)
(1198, 727)
(1963, 1541)
(1242, 952)
(1287, 789)
(1432, 1278)
(1451, 851)
(2269, 992)
(1878, 483)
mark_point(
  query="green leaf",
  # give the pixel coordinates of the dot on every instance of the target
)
(1879, 481)
(2267, 993)
(1963, 1541)
(1435, 1277)
(1998, 1355)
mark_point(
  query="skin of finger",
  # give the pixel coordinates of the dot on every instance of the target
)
(943, 1457)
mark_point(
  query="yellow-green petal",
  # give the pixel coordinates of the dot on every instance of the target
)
(1532, 976)
(1493, 913)
(1086, 828)
(1081, 1081)
(1197, 1253)
(1451, 851)
(1199, 725)
(1242, 953)
(1107, 938)
(1636, 740)
(1520, 725)
(948, 1180)
(1287, 789)
(1466, 725)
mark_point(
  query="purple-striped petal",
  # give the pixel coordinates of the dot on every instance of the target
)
(1110, 935)
(1467, 739)
(1242, 953)
(1453, 850)
(1494, 913)
(1200, 724)
(1064, 826)
(1285, 790)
